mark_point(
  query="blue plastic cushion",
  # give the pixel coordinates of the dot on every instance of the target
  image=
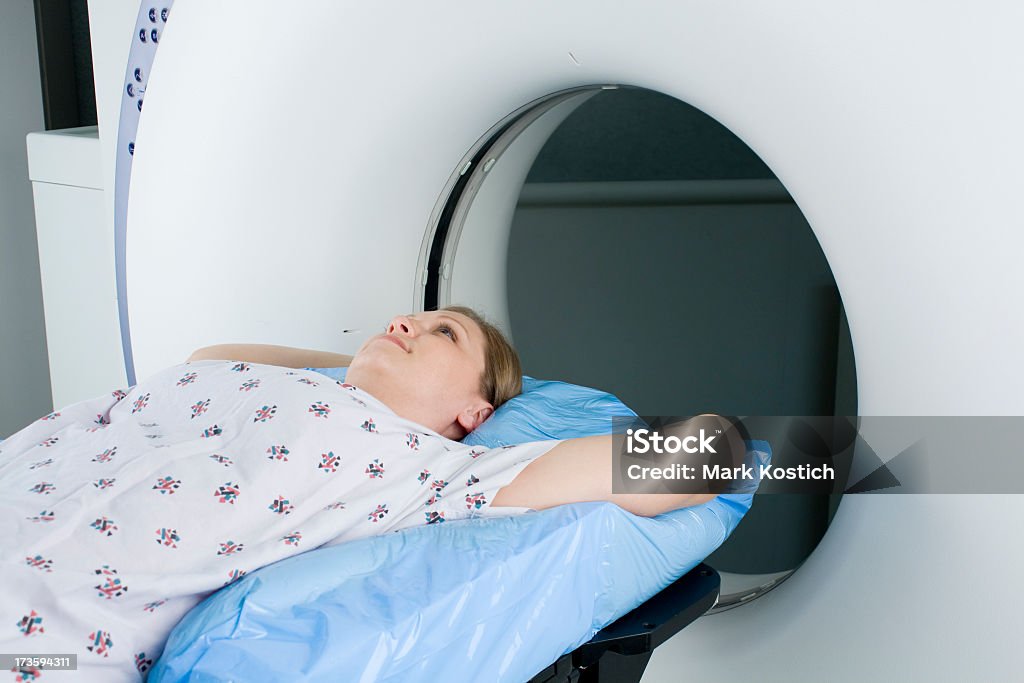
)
(490, 598)
(549, 410)
(333, 373)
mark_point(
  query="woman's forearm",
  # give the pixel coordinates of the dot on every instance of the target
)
(581, 469)
(268, 354)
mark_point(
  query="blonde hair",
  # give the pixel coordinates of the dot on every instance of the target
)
(503, 373)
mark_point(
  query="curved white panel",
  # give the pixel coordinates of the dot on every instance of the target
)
(290, 156)
(478, 256)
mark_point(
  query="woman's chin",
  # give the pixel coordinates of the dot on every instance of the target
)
(368, 363)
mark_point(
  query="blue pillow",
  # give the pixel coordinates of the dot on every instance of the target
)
(333, 373)
(549, 410)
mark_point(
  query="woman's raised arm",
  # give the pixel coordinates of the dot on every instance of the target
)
(267, 354)
(580, 470)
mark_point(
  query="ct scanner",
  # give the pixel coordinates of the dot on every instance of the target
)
(304, 170)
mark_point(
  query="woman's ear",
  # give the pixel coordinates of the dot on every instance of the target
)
(474, 416)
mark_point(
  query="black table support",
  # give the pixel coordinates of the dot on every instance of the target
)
(619, 652)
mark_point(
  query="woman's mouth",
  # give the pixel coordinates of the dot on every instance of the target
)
(396, 340)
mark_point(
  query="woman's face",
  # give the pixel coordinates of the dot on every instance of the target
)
(427, 368)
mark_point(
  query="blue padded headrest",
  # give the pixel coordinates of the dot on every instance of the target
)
(548, 410)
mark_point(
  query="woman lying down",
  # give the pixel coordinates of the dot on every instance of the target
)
(119, 514)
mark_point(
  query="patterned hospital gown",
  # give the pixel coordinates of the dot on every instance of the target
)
(120, 513)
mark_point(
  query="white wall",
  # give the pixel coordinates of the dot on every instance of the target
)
(24, 371)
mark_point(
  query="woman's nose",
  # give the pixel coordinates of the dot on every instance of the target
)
(402, 325)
